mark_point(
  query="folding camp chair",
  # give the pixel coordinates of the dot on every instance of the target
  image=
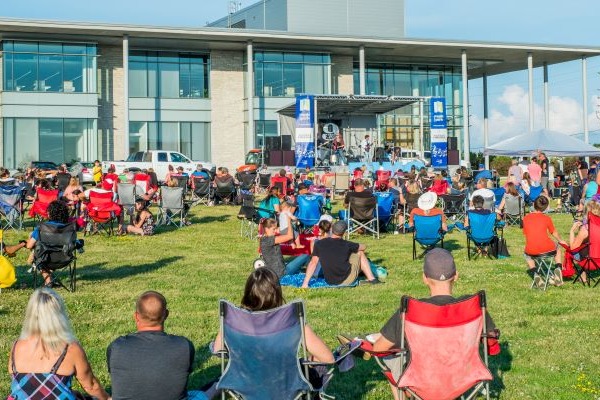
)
(247, 180)
(225, 190)
(43, 198)
(171, 208)
(248, 215)
(386, 209)
(328, 180)
(126, 195)
(282, 183)
(264, 182)
(102, 212)
(202, 190)
(481, 233)
(142, 184)
(342, 182)
(310, 207)
(182, 182)
(513, 210)
(534, 193)
(362, 213)
(383, 178)
(261, 360)
(11, 207)
(591, 263)
(544, 267)
(454, 206)
(498, 195)
(440, 356)
(55, 250)
(427, 233)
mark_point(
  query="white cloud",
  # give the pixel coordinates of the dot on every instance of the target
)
(510, 117)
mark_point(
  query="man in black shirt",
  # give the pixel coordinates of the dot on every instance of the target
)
(341, 260)
(439, 274)
(151, 364)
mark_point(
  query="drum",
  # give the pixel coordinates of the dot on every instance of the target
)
(333, 159)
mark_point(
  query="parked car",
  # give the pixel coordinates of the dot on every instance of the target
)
(82, 169)
(159, 160)
(44, 165)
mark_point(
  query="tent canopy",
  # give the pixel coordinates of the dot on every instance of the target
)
(550, 142)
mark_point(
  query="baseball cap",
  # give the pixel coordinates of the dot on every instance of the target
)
(339, 228)
(439, 265)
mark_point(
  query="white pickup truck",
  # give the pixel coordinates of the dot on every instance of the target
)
(159, 160)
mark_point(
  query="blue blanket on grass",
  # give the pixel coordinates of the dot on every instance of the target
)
(314, 283)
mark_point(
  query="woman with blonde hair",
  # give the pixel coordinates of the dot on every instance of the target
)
(47, 355)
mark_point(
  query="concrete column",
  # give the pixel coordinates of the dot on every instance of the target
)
(361, 70)
(546, 101)
(126, 95)
(250, 91)
(485, 120)
(530, 74)
(465, 105)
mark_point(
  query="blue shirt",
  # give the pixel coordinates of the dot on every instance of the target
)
(202, 173)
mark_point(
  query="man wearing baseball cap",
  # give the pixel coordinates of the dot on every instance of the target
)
(341, 261)
(439, 275)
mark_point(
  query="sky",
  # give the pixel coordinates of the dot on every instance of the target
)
(530, 21)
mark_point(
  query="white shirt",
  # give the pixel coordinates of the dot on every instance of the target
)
(284, 217)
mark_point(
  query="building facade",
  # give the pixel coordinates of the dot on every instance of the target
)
(75, 91)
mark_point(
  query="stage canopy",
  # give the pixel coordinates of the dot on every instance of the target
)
(549, 142)
(338, 106)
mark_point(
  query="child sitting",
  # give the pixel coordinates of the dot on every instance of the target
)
(143, 223)
(285, 222)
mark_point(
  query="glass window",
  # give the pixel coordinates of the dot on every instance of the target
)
(192, 139)
(184, 80)
(262, 129)
(153, 138)
(176, 157)
(51, 140)
(138, 136)
(162, 157)
(288, 74)
(49, 67)
(74, 139)
(138, 82)
(169, 79)
(169, 136)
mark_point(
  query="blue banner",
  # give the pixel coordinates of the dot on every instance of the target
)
(305, 131)
(439, 132)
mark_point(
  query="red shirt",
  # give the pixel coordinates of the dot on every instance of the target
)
(536, 227)
(432, 212)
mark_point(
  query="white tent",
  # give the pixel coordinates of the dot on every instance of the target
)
(550, 142)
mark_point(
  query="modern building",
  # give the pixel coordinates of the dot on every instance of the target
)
(81, 91)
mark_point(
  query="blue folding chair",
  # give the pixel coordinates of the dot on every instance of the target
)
(485, 174)
(498, 196)
(309, 210)
(482, 233)
(427, 232)
(11, 207)
(385, 208)
(534, 193)
(262, 351)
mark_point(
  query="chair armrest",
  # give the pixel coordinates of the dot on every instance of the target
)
(368, 347)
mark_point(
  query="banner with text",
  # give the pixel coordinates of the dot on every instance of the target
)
(439, 132)
(305, 131)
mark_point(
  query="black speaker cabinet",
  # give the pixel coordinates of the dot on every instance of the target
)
(453, 157)
(286, 142)
(273, 142)
(289, 158)
(276, 157)
(452, 143)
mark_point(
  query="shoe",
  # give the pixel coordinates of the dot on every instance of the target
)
(538, 282)
(558, 278)
(371, 282)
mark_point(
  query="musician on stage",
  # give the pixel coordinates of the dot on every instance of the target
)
(339, 148)
(365, 147)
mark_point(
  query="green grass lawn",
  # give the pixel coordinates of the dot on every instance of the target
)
(549, 340)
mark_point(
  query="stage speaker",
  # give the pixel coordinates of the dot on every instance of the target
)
(276, 158)
(289, 158)
(286, 142)
(452, 143)
(453, 157)
(273, 143)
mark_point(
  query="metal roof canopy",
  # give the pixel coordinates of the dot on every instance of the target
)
(338, 106)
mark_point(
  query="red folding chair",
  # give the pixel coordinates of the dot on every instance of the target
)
(444, 344)
(589, 264)
(102, 211)
(43, 198)
(383, 178)
(282, 183)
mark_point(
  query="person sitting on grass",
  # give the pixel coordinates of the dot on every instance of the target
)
(270, 249)
(286, 220)
(439, 275)
(143, 222)
(341, 261)
(263, 292)
(536, 228)
(151, 364)
(47, 355)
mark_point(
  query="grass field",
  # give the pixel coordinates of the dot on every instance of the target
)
(549, 340)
